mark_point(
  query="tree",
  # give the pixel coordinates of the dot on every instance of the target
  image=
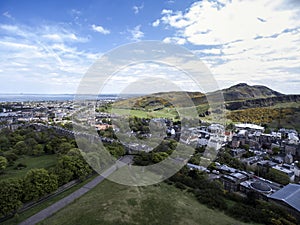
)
(64, 147)
(21, 148)
(278, 176)
(246, 147)
(230, 126)
(72, 166)
(276, 150)
(30, 143)
(159, 156)
(64, 175)
(115, 149)
(3, 163)
(37, 183)
(4, 143)
(38, 149)
(10, 196)
(11, 157)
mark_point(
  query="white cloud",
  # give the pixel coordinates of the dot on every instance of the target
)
(7, 15)
(61, 37)
(136, 33)
(170, 2)
(51, 33)
(137, 9)
(156, 23)
(213, 51)
(242, 40)
(100, 29)
(75, 12)
(33, 60)
(166, 11)
(135, 79)
(13, 45)
(175, 40)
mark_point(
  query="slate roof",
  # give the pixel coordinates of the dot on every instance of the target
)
(290, 194)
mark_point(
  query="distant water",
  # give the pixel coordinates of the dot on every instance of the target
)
(48, 97)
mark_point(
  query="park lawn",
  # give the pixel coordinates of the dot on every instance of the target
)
(44, 161)
(110, 203)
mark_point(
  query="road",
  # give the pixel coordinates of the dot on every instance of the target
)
(76, 194)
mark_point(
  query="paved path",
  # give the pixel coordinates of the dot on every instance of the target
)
(70, 198)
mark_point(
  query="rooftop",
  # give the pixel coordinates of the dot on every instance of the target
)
(249, 125)
(290, 194)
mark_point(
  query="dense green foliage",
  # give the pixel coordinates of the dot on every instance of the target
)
(37, 183)
(159, 153)
(11, 193)
(115, 149)
(25, 145)
(3, 163)
(277, 176)
(224, 157)
(71, 166)
(32, 142)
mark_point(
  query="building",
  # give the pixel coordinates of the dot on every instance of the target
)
(288, 172)
(249, 126)
(215, 142)
(288, 159)
(216, 129)
(262, 187)
(289, 198)
(197, 167)
(251, 161)
(225, 169)
(103, 126)
(297, 170)
(237, 153)
(232, 181)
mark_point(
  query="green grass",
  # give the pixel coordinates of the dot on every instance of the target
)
(110, 203)
(163, 113)
(30, 212)
(44, 161)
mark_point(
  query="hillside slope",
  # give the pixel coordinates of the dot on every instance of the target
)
(244, 91)
(240, 96)
(110, 203)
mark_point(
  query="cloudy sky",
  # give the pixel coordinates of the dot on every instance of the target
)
(47, 46)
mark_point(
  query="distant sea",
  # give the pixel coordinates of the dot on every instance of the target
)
(48, 97)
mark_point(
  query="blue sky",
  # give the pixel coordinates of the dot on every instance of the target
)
(47, 46)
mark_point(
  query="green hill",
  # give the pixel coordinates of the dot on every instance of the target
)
(244, 91)
(110, 203)
(240, 96)
(243, 103)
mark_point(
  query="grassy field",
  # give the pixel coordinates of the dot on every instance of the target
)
(44, 161)
(163, 113)
(110, 203)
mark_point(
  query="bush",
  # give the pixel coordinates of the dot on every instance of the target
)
(211, 198)
(11, 156)
(37, 183)
(20, 166)
(10, 196)
(180, 186)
